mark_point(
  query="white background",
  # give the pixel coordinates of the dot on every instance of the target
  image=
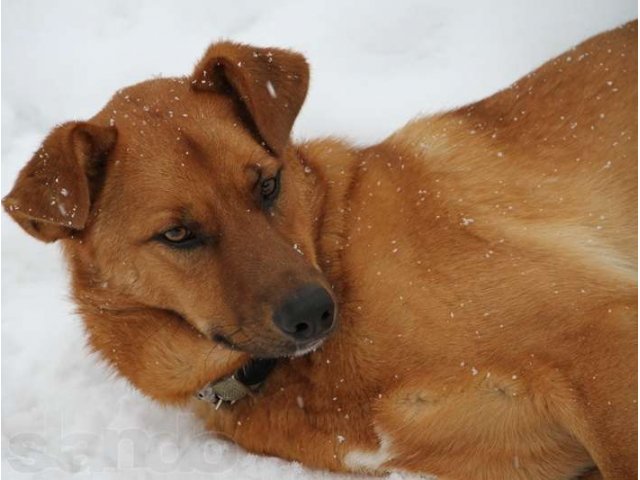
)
(375, 65)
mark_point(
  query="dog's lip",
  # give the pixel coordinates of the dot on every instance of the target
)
(223, 340)
(295, 350)
(310, 347)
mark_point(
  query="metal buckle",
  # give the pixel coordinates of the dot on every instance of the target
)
(228, 389)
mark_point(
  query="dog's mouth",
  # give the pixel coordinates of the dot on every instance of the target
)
(225, 341)
(250, 377)
(308, 348)
(279, 350)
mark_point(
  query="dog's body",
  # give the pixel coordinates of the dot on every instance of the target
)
(483, 260)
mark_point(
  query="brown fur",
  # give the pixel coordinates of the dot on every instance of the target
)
(484, 262)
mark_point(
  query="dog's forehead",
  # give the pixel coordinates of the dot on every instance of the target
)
(163, 123)
(176, 147)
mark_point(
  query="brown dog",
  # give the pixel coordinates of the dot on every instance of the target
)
(483, 261)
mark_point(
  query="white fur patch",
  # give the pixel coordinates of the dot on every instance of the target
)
(370, 461)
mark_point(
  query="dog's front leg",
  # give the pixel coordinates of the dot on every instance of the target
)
(160, 353)
(278, 424)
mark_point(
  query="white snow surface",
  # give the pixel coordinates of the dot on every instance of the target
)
(375, 65)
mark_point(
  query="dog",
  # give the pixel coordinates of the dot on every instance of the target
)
(458, 300)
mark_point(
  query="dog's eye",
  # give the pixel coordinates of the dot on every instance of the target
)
(177, 235)
(181, 238)
(269, 189)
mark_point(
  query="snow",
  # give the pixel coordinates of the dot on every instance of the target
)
(375, 65)
(271, 89)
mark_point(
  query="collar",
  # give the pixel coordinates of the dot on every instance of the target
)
(244, 381)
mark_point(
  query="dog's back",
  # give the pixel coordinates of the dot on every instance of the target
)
(551, 161)
(524, 208)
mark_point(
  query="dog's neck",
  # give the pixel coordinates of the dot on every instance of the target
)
(336, 166)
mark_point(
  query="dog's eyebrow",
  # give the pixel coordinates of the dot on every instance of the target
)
(165, 216)
(258, 162)
(185, 216)
(193, 149)
(255, 167)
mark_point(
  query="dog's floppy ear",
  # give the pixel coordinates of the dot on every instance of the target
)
(271, 83)
(52, 195)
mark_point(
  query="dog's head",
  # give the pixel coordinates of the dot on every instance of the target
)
(184, 195)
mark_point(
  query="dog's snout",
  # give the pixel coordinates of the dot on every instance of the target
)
(307, 314)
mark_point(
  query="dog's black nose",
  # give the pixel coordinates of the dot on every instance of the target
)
(307, 314)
